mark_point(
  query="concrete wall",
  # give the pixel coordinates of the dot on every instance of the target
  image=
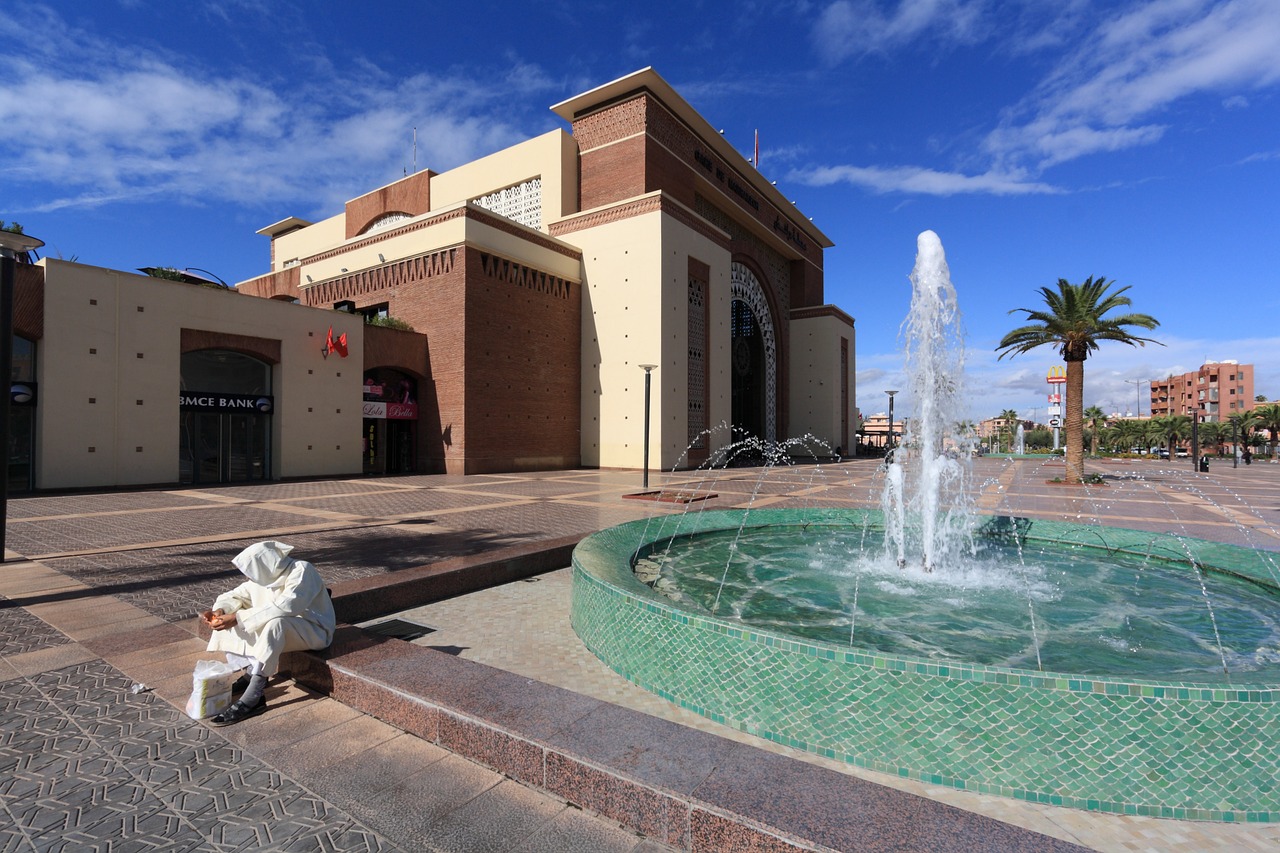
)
(109, 368)
(816, 336)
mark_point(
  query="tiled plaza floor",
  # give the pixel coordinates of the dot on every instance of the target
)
(100, 589)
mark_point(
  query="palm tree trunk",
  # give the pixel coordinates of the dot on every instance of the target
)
(1075, 421)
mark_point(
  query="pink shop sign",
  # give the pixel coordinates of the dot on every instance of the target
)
(391, 411)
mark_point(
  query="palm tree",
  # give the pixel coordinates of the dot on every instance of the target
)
(1129, 433)
(1173, 428)
(1073, 322)
(1268, 417)
(1212, 432)
(1244, 422)
(1096, 418)
(1009, 426)
(1152, 433)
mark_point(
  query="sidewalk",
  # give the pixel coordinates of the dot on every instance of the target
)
(105, 596)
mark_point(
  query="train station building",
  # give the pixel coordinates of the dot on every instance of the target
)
(540, 284)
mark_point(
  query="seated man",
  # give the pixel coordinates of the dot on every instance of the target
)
(283, 607)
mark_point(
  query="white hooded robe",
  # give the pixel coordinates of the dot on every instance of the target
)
(282, 607)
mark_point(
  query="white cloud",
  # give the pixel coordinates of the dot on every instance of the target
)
(850, 28)
(1102, 96)
(914, 179)
(124, 124)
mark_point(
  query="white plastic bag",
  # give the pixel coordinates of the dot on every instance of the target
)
(210, 688)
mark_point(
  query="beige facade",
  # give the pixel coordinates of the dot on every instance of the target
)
(109, 373)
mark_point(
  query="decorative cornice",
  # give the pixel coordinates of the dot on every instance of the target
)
(821, 311)
(657, 202)
(373, 239)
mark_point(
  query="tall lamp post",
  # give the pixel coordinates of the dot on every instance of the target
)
(648, 372)
(12, 244)
(889, 445)
(1137, 393)
(1195, 439)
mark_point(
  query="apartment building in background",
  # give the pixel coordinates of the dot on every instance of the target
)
(1216, 391)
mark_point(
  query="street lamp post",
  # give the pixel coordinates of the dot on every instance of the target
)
(889, 444)
(11, 245)
(648, 372)
(1195, 440)
(1235, 446)
(1137, 394)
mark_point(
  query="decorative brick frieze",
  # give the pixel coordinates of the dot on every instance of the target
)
(523, 276)
(617, 121)
(359, 285)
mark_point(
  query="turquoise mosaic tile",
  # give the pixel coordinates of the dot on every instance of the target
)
(1124, 746)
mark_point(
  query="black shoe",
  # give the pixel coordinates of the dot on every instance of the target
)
(241, 684)
(239, 711)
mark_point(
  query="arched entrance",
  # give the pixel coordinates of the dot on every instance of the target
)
(225, 418)
(754, 357)
(390, 429)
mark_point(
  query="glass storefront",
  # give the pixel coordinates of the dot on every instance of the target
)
(390, 422)
(225, 420)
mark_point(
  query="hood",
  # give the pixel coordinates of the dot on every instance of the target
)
(264, 562)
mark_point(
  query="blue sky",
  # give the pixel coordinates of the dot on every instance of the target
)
(1133, 139)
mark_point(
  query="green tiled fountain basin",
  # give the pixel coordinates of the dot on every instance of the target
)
(1122, 745)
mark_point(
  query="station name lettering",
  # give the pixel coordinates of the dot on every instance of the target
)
(704, 160)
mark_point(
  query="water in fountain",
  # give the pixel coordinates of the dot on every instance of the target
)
(1020, 441)
(1102, 652)
(928, 511)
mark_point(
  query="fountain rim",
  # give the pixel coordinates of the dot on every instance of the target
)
(600, 551)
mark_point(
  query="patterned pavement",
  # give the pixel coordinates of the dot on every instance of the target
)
(100, 589)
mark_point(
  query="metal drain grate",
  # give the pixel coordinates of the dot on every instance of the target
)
(400, 629)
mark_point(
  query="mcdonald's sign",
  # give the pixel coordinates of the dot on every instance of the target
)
(1057, 376)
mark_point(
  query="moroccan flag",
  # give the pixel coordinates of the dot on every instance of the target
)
(339, 346)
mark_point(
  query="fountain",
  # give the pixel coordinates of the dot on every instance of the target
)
(1076, 665)
(1020, 441)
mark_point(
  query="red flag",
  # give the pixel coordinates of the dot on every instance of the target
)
(339, 346)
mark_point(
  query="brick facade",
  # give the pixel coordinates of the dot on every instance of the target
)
(411, 196)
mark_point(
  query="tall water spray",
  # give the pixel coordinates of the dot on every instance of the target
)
(926, 499)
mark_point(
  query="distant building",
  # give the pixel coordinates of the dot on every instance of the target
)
(875, 430)
(1216, 391)
(993, 429)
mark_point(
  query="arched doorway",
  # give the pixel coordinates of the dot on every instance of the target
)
(390, 431)
(754, 357)
(225, 418)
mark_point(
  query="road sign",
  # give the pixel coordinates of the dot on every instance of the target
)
(1053, 422)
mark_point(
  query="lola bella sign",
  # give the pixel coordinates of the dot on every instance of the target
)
(391, 411)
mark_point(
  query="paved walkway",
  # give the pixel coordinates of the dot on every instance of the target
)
(100, 590)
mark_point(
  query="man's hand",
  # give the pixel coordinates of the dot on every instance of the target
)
(218, 620)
